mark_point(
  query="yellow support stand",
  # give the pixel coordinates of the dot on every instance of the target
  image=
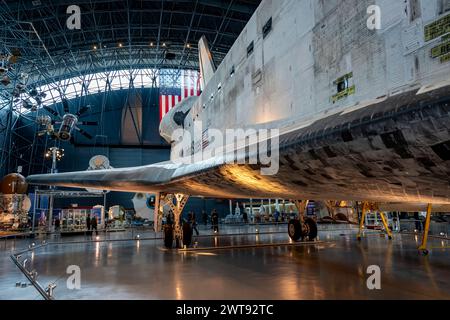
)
(362, 221)
(373, 207)
(386, 226)
(423, 246)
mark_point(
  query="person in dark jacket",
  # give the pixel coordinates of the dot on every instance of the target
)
(245, 216)
(215, 220)
(88, 222)
(94, 225)
(57, 224)
(418, 222)
(193, 223)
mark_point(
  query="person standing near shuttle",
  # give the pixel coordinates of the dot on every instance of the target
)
(215, 220)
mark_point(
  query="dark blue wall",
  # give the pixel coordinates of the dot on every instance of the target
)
(108, 111)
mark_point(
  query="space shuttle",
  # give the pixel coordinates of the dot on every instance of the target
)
(351, 98)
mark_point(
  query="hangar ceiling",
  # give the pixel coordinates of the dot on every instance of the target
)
(118, 35)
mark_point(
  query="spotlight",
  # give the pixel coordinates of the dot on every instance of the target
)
(442, 234)
(95, 48)
(120, 45)
(97, 238)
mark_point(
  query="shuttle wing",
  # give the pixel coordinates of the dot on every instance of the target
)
(396, 150)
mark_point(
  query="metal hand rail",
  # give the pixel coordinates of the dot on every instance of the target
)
(30, 275)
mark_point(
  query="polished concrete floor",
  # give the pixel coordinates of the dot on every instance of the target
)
(334, 268)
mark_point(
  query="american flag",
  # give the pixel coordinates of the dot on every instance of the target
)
(170, 97)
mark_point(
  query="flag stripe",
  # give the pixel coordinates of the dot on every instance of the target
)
(170, 97)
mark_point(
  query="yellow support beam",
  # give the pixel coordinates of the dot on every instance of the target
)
(363, 218)
(386, 225)
(423, 246)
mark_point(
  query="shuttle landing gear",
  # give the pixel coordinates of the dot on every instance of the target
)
(302, 228)
(176, 202)
(295, 230)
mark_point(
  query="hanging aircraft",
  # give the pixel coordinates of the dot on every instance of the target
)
(360, 111)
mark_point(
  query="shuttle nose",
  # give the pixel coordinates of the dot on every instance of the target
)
(175, 118)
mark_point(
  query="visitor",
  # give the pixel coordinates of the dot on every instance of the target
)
(94, 225)
(88, 223)
(245, 216)
(276, 215)
(215, 220)
(169, 217)
(57, 224)
(193, 223)
(418, 222)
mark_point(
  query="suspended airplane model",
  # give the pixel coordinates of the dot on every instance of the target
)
(362, 115)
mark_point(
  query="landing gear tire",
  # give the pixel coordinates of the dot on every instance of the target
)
(425, 252)
(187, 234)
(295, 230)
(389, 237)
(168, 236)
(312, 227)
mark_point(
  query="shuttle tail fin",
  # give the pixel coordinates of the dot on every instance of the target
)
(207, 67)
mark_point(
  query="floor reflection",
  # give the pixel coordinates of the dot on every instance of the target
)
(335, 269)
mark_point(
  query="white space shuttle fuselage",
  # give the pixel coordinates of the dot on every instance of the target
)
(358, 89)
(298, 61)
